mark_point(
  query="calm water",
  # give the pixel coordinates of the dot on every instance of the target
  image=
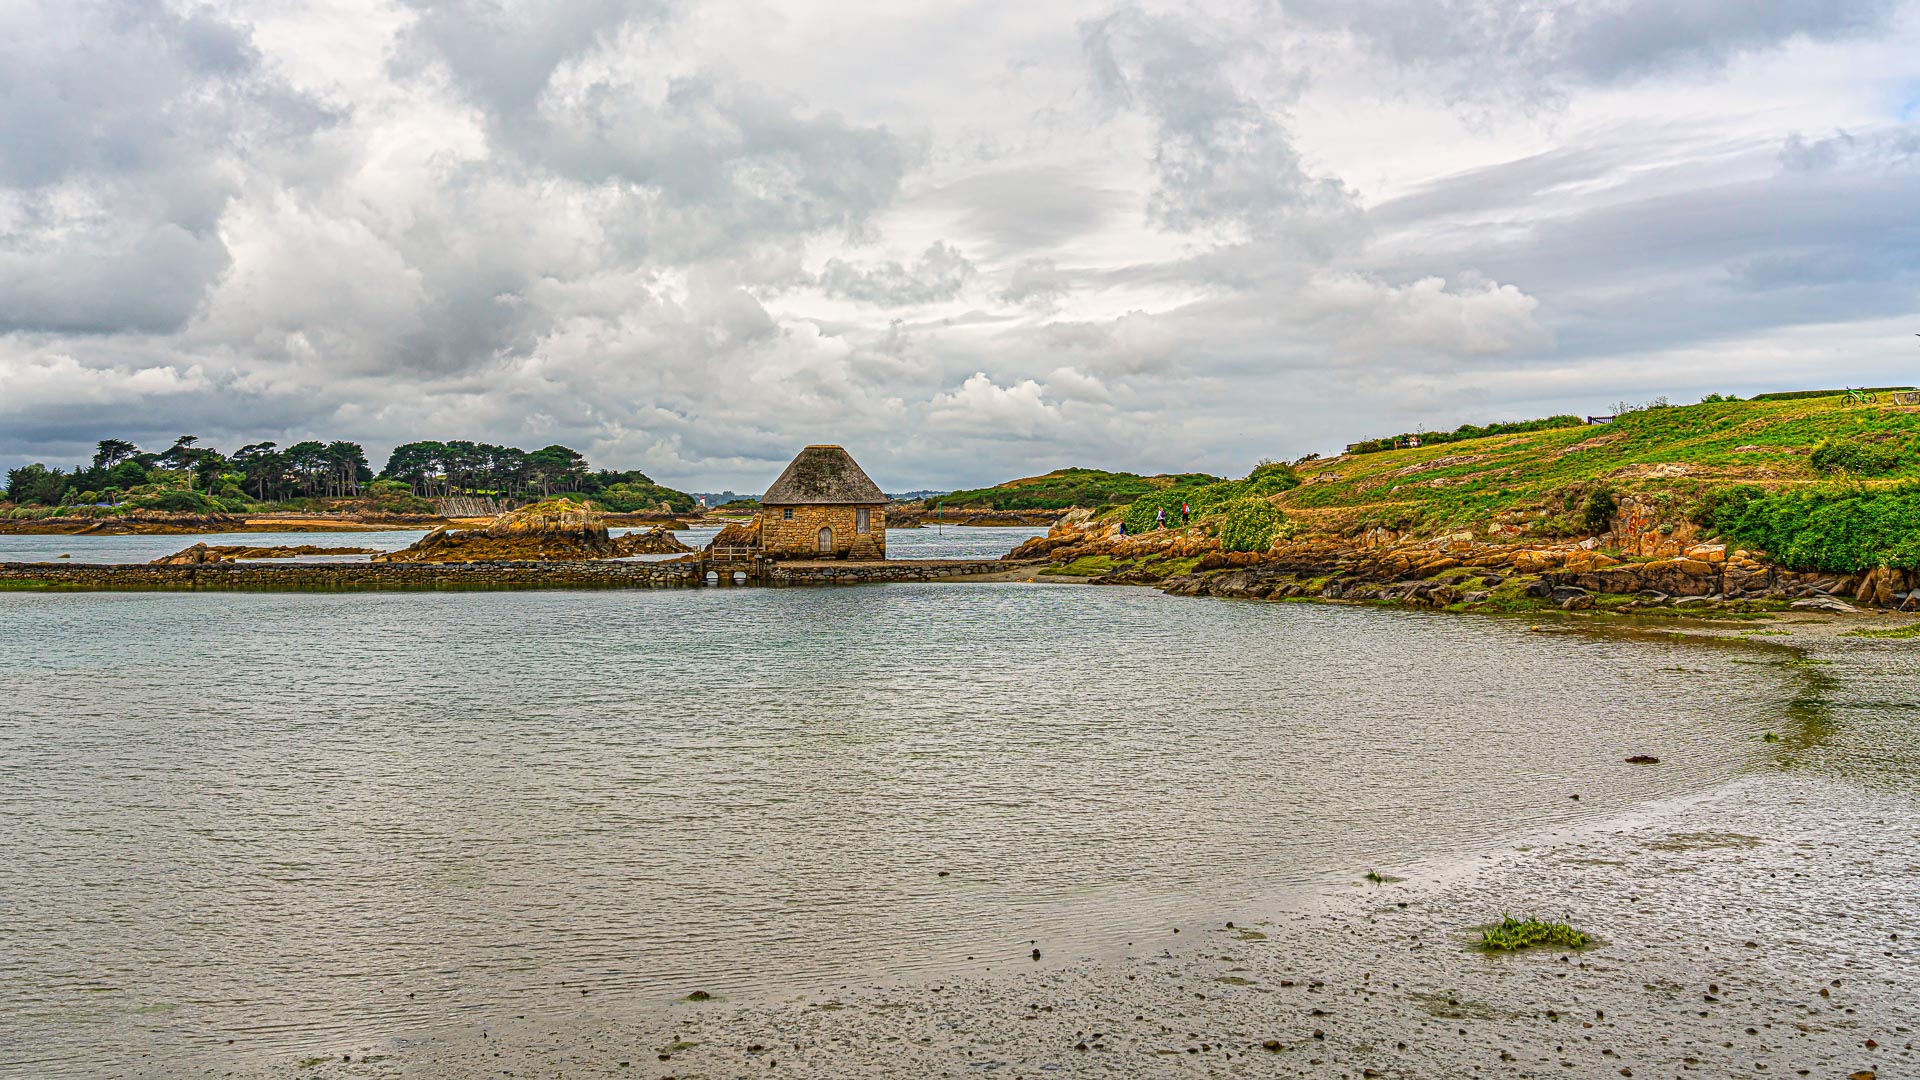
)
(947, 543)
(309, 823)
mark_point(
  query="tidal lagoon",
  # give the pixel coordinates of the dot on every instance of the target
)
(245, 831)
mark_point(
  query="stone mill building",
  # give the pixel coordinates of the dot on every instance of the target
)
(824, 507)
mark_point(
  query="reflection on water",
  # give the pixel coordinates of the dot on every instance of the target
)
(288, 819)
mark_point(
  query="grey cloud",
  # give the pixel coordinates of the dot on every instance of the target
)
(1031, 208)
(102, 276)
(1890, 148)
(1222, 156)
(503, 52)
(1036, 281)
(939, 274)
(723, 163)
(1670, 268)
(123, 126)
(1539, 49)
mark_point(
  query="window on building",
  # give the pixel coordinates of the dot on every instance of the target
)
(862, 521)
(787, 514)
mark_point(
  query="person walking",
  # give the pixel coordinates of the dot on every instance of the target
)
(1160, 518)
(1186, 512)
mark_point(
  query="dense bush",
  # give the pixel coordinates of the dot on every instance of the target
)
(1722, 504)
(1207, 500)
(179, 502)
(1861, 457)
(1596, 513)
(1842, 529)
(1249, 525)
(628, 498)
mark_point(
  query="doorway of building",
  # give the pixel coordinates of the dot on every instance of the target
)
(826, 541)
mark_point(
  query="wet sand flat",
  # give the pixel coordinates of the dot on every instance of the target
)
(1766, 930)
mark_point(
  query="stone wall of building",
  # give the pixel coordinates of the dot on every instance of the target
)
(799, 537)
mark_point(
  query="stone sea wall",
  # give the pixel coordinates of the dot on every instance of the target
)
(377, 577)
(351, 577)
(864, 573)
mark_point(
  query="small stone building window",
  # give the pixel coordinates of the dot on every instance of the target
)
(862, 521)
(787, 514)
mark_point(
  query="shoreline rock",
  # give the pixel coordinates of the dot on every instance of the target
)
(1461, 570)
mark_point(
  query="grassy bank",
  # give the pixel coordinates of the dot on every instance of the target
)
(1548, 481)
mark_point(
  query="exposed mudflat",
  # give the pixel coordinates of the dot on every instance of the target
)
(1767, 930)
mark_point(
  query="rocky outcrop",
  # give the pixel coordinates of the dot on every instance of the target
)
(1462, 568)
(197, 555)
(656, 541)
(557, 530)
(202, 554)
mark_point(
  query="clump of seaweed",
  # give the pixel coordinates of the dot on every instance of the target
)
(1511, 934)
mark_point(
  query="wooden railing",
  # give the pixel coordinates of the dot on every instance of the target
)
(733, 553)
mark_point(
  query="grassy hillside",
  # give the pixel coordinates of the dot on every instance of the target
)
(1065, 488)
(1552, 478)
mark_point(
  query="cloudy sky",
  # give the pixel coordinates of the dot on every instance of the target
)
(968, 241)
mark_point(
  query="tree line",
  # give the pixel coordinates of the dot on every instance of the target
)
(268, 472)
(264, 470)
(462, 467)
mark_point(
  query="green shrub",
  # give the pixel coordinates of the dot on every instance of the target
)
(1840, 528)
(1861, 457)
(390, 489)
(1718, 506)
(1273, 477)
(1596, 513)
(1249, 525)
(178, 502)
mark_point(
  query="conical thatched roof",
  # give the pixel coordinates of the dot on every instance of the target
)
(823, 476)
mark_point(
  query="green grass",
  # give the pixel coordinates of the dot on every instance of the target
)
(1085, 566)
(1671, 457)
(1511, 934)
(1902, 632)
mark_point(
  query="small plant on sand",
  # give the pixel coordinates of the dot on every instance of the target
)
(1512, 933)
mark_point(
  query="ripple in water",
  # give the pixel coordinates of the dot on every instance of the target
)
(289, 820)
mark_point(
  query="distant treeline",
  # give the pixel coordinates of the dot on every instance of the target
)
(1466, 431)
(1064, 488)
(188, 476)
(460, 467)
